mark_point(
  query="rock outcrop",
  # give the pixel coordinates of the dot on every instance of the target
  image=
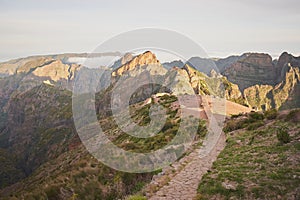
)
(266, 83)
(256, 97)
(56, 70)
(146, 58)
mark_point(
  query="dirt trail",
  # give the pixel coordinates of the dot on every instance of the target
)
(180, 181)
(183, 186)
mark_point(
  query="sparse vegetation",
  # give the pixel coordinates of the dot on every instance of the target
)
(293, 116)
(85, 178)
(250, 121)
(253, 165)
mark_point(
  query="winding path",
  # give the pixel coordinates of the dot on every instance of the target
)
(180, 181)
(183, 186)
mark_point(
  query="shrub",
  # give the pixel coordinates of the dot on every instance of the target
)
(256, 116)
(255, 125)
(235, 125)
(52, 192)
(283, 136)
(271, 114)
(233, 116)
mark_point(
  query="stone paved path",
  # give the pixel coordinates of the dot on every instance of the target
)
(184, 184)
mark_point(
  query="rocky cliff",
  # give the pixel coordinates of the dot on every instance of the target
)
(264, 97)
(144, 59)
(256, 68)
(266, 83)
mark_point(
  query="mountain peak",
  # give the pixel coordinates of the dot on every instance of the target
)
(145, 58)
(262, 59)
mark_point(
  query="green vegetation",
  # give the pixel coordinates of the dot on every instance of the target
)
(140, 115)
(250, 121)
(74, 174)
(255, 125)
(253, 164)
(283, 135)
(271, 114)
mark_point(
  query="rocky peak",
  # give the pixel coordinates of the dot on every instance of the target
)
(145, 58)
(255, 68)
(286, 58)
(260, 59)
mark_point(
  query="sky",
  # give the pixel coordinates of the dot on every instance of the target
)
(220, 27)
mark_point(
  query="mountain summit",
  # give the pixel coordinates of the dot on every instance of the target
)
(145, 58)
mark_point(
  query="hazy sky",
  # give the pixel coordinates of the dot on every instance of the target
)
(221, 27)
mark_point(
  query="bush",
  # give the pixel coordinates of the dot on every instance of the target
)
(254, 116)
(52, 192)
(283, 136)
(271, 114)
(233, 116)
(233, 125)
(255, 125)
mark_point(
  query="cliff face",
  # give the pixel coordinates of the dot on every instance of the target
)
(224, 63)
(266, 83)
(264, 97)
(38, 127)
(256, 97)
(287, 88)
(197, 80)
(256, 68)
(56, 71)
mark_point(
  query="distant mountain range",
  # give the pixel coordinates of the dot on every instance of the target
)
(271, 82)
(36, 124)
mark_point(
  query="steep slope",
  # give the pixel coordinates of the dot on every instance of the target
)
(204, 65)
(72, 172)
(38, 126)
